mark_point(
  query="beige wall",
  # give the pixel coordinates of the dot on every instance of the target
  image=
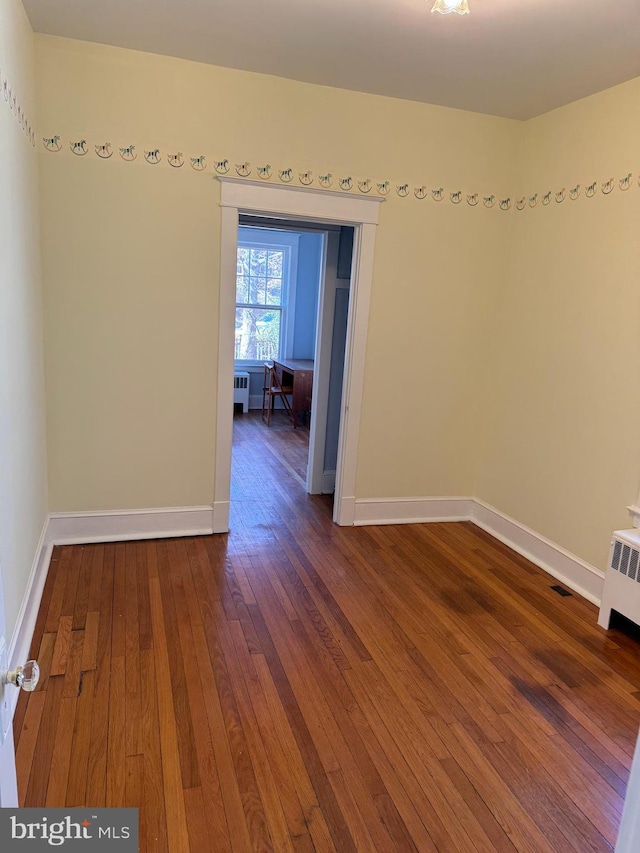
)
(520, 327)
(131, 261)
(23, 489)
(560, 436)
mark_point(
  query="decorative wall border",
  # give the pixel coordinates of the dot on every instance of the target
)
(10, 98)
(206, 164)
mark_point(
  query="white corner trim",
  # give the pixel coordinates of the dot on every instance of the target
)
(71, 528)
(221, 516)
(20, 644)
(412, 510)
(346, 511)
(561, 564)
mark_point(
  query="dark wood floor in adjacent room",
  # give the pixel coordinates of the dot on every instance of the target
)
(298, 686)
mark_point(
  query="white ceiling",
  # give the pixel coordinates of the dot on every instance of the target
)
(515, 58)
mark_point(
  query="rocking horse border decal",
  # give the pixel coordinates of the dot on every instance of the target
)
(330, 180)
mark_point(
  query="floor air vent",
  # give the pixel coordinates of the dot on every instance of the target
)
(621, 590)
(561, 590)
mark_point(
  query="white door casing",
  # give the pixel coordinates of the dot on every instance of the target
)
(241, 196)
(322, 364)
(629, 832)
(8, 784)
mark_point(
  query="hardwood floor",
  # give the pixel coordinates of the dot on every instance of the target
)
(298, 686)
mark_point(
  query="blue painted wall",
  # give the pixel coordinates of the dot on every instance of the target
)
(309, 258)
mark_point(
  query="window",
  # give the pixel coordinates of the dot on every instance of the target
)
(266, 278)
(261, 290)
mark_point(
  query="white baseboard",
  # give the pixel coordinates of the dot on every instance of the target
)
(412, 510)
(561, 564)
(71, 528)
(18, 651)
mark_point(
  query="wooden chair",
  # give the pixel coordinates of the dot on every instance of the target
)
(273, 389)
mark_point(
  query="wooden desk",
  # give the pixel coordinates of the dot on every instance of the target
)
(297, 374)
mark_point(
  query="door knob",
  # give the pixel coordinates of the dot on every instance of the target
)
(26, 676)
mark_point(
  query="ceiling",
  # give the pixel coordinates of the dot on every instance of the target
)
(514, 58)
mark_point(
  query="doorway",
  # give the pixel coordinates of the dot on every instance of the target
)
(318, 206)
(293, 280)
(281, 268)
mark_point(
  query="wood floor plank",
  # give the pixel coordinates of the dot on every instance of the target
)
(80, 606)
(152, 814)
(244, 768)
(326, 798)
(73, 579)
(179, 691)
(132, 652)
(290, 779)
(312, 706)
(238, 834)
(199, 838)
(116, 752)
(95, 578)
(498, 837)
(62, 646)
(172, 779)
(60, 568)
(61, 756)
(119, 606)
(43, 753)
(210, 782)
(78, 772)
(26, 746)
(74, 664)
(90, 645)
(98, 748)
(145, 630)
(275, 829)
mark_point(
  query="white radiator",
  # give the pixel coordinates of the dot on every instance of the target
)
(621, 590)
(241, 390)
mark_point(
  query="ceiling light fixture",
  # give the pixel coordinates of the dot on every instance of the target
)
(460, 7)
